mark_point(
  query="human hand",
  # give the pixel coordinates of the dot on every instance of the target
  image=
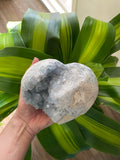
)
(21, 129)
(35, 119)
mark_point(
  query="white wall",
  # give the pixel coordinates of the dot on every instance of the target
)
(101, 9)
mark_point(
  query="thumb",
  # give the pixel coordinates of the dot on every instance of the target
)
(35, 60)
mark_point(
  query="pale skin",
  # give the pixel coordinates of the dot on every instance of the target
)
(21, 129)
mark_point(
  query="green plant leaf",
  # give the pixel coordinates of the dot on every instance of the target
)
(8, 103)
(109, 91)
(96, 106)
(110, 62)
(10, 39)
(100, 132)
(68, 34)
(97, 68)
(40, 31)
(14, 26)
(51, 33)
(11, 72)
(13, 64)
(23, 53)
(113, 103)
(29, 154)
(34, 29)
(62, 141)
(94, 42)
(113, 72)
(116, 23)
(6, 98)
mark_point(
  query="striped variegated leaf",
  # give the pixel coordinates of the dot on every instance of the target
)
(8, 103)
(69, 30)
(62, 141)
(94, 41)
(40, 31)
(51, 33)
(97, 68)
(100, 132)
(10, 39)
(116, 23)
(111, 61)
(109, 91)
(14, 62)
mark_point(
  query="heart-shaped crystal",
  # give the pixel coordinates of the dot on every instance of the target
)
(63, 92)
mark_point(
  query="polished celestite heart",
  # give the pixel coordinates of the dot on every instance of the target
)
(63, 92)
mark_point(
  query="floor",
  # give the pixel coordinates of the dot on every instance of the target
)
(11, 10)
(14, 10)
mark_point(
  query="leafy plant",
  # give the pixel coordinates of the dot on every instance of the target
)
(54, 35)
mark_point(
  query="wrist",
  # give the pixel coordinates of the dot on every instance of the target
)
(15, 139)
(23, 127)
